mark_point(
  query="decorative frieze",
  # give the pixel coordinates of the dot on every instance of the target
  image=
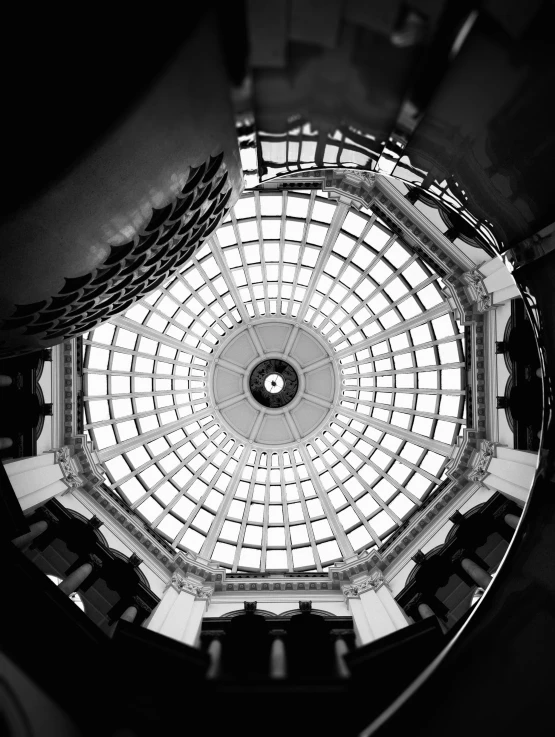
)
(283, 585)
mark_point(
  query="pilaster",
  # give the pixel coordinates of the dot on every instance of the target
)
(179, 614)
(35, 480)
(511, 473)
(374, 610)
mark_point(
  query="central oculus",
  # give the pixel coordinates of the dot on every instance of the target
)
(274, 383)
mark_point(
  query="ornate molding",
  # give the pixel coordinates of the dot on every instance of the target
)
(371, 583)
(179, 583)
(369, 190)
(482, 460)
(479, 290)
(286, 583)
(63, 457)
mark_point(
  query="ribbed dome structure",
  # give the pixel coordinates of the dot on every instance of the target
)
(289, 398)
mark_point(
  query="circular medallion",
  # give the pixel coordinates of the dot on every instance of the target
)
(273, 383)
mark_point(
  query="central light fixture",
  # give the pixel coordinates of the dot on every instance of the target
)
(274, 383)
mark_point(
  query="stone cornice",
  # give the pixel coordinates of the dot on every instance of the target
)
(286, 583)
(72, 371)
(58, 395)
(450, 250)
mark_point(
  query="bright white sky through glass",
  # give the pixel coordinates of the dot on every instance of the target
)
(303, 257)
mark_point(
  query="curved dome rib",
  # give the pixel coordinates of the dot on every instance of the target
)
(365, 436)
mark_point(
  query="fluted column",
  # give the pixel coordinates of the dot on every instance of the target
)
(278, 657)
(511, 472)
(179, 614)
(374, 610)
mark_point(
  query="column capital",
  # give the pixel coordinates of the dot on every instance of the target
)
(482, 460)
(480, 294)
(370, 583)
(180, 583)
(63, 456)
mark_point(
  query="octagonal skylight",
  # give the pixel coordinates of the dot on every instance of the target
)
(363, 322)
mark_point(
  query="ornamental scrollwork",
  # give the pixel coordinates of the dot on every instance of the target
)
(63, 458)
(182, 584)
(370, 583)
(483, 298)
(485, 454)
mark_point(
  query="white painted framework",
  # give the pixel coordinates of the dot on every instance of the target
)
(306, 258)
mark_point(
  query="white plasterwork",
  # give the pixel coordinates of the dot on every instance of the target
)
(482, 460)
(478, 290)
(69, 467)
(182, 584)
(370, 583)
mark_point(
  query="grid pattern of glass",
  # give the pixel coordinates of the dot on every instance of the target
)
(342, 272)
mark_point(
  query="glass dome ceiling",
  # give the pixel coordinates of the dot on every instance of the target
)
(180, 392)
